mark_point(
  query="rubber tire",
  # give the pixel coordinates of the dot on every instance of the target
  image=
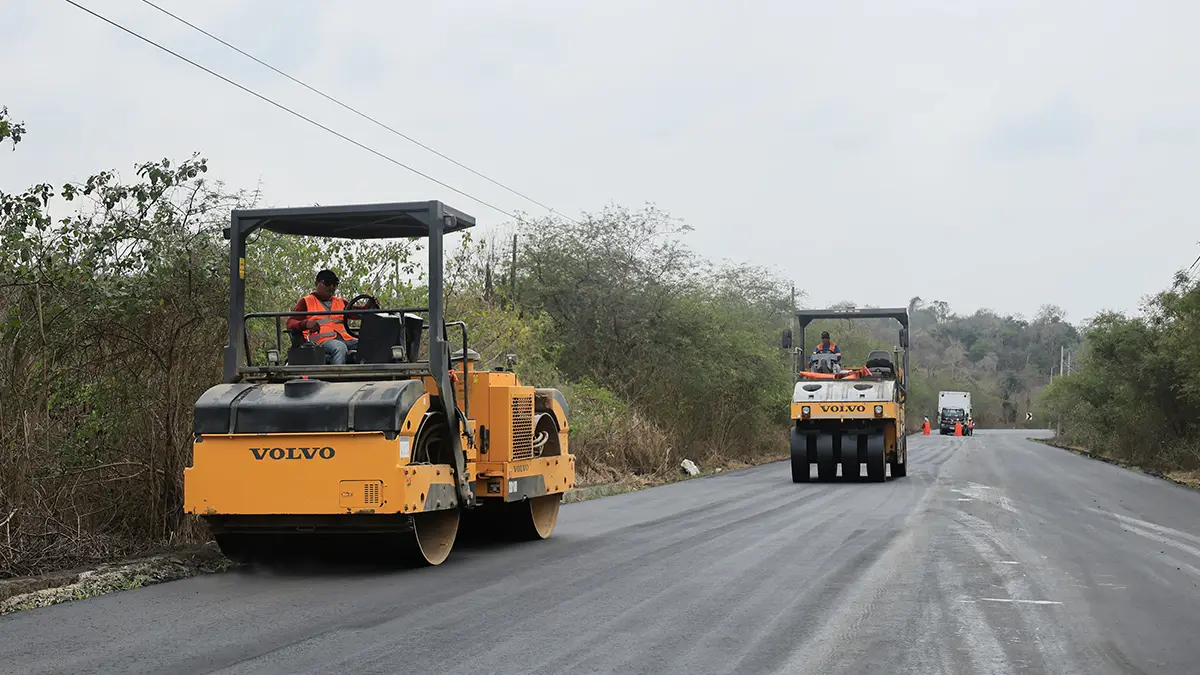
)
(900, 470)
(876, 458)
(801, 472)
(851, 466)
(826, 461)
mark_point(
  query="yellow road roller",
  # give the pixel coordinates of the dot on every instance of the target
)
(846, 416)
(387, 452)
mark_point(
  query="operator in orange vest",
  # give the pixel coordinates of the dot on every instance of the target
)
(827, 347)
(328, 331)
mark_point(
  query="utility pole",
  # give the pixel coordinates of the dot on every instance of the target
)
(1062, 355)
(512, 274)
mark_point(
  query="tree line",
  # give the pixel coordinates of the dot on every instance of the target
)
(114, 318)
(1135, 395)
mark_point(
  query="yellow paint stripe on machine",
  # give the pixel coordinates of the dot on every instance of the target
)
(804, 410)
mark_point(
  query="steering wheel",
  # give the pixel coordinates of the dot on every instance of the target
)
(371, 302)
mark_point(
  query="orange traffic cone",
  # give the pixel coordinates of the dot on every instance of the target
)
(925, 427)
(958, 428)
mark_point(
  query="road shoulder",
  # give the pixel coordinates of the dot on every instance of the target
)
(1188, 479)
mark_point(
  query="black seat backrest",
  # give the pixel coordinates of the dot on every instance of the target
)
(879, 355)
(880, 362)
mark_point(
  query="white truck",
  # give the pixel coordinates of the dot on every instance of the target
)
(954, 407)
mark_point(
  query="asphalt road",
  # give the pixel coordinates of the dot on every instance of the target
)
(994, 555)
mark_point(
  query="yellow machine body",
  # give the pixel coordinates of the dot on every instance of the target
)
(368, 472)
(389, 449)
(848, 415)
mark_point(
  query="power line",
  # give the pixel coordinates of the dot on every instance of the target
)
(348, 107)
(289, 110)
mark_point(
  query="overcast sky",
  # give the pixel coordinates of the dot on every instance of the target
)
(997, 154)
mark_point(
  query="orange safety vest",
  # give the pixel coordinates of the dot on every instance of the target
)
(821, 348)
(331, 325)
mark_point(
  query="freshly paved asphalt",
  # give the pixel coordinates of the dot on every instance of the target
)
(994, 555)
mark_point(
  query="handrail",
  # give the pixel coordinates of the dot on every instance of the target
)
(249, 367)
(342, 312)
(348, 310)
(466, 398)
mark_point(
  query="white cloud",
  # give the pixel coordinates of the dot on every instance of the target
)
(998, 154)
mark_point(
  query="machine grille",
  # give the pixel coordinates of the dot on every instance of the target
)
(370, 493)
(522, 427)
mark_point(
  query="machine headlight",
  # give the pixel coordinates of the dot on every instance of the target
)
(804, 411)
(878, 411)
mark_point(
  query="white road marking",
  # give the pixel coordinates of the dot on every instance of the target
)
(1154, 527)
(1179, 564)
(985, 493)
(1016, 600)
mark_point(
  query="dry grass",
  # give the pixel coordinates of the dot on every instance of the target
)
(1187, 478)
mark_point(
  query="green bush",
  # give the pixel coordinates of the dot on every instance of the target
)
(1135, 395)
(114, 323)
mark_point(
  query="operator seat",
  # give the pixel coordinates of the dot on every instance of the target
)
(304, 353)
(880, 363)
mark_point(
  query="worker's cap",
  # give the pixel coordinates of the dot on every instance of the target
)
(824, 334)
(328, 278)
